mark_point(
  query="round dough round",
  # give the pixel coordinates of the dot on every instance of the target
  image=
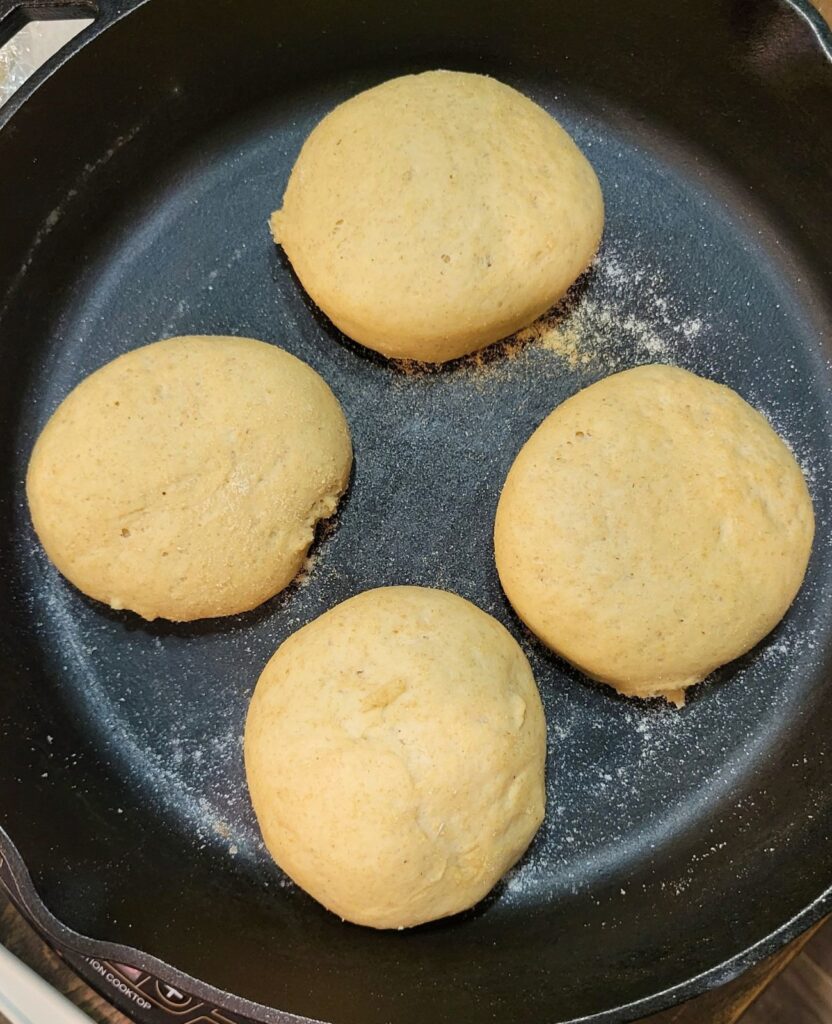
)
(653, 528)
(395, 752)
(184, 479)
(437, 213)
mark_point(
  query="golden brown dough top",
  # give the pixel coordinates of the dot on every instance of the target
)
(184, 479)
(653, 528)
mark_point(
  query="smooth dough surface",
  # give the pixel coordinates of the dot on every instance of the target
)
(437, 213)
(395, 754)
(184, 479)
(653, 528)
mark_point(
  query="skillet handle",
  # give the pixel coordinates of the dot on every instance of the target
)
(25, 998)
(56, 10)
(16, 14)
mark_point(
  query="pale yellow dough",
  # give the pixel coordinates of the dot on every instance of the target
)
(395, 751)
(437, 213)
(653, 528)
(184, 479)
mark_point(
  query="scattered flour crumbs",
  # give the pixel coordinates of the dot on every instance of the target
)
(651, 745)
(618, 314)
(587, 330)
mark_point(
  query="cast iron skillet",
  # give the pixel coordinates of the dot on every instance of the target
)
(137, 177)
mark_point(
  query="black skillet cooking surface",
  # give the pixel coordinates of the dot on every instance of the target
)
(679, 846)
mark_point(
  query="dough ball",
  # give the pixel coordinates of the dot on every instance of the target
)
(653, 528)
(184, 479)
(437, 213)
(395, 754)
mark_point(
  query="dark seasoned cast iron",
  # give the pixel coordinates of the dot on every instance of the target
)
(135, 183)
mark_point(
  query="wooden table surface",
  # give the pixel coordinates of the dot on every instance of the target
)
(723, 1006)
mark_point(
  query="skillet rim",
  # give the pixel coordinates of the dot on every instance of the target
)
(14, 874)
